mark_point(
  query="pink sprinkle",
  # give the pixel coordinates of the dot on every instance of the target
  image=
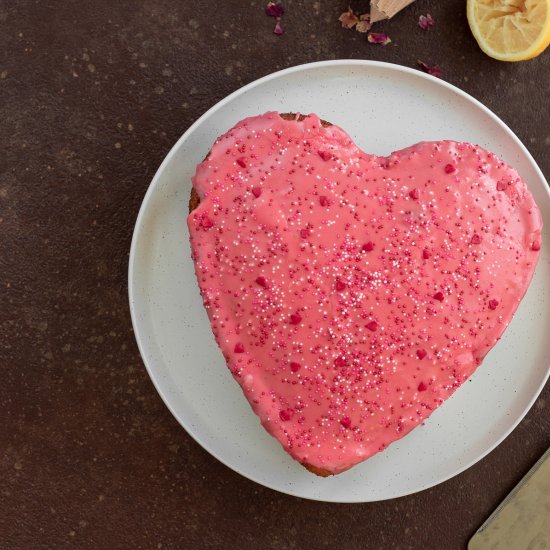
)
(378, 38)
(239, 348)
(493, 304)
(501, 186)
(439, 296)
(449, 169)
(278, 30)
(241, 161)
(425, 22)
(295, 319)
(295, 367)
(421, 353)
(476, 239)
(286, 414)
(426, 254)
(346, 422)
(256, 191)
(368, 246)
(372, 326)
(535, 245)
(323, 200)
(304, 233)
(422, 387)
(325, 155)
(413, 193)
(340, 285)
(274, 9)
(261, 281)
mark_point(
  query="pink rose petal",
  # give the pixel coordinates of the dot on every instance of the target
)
(425, 22)
(436, 70)
(379, 38)
(274, 9)
(278, 30)
(348, 19)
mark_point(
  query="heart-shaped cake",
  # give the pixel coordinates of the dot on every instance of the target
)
(352, 294)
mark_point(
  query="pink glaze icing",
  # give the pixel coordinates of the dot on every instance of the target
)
(352, 294)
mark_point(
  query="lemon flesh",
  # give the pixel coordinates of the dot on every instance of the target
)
(510, 30)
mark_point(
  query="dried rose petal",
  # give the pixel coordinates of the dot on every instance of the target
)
(363, 26)
(348, 19)
(425, 22)
(379, 38)
(278, 30)
(434, 71)
(274, 9)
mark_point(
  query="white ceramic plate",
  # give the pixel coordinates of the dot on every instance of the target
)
(383, 107)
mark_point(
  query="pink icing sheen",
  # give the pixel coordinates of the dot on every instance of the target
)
(354, 294)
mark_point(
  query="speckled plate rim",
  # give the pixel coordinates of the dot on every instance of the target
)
(132, 289)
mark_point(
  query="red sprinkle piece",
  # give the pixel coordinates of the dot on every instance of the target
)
(434, 71)
(372, 326)
(493, 304)
(286, 414)
(325, 155)
(295, 319)
(261, 281)
(425, 22)
(304, 233)
(295, 367)
(340, 362)
(421, 353)
(501, 186)
(323, 200)
(239, 348)
(426, 254)
(422, 387)
(340, 285)
(274, 9)
(414, 194)
(378, 38)
(206, 222)
(368, 246)
(449, 169)
(256, 191)
(439, 296)
(476, 239)
(346, 422)
(241, 161)
(535, 245)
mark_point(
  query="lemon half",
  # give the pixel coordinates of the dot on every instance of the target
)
(510, 30)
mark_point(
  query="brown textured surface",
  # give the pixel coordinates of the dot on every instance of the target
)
(92, 96)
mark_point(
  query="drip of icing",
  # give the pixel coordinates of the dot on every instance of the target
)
(352, 294)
